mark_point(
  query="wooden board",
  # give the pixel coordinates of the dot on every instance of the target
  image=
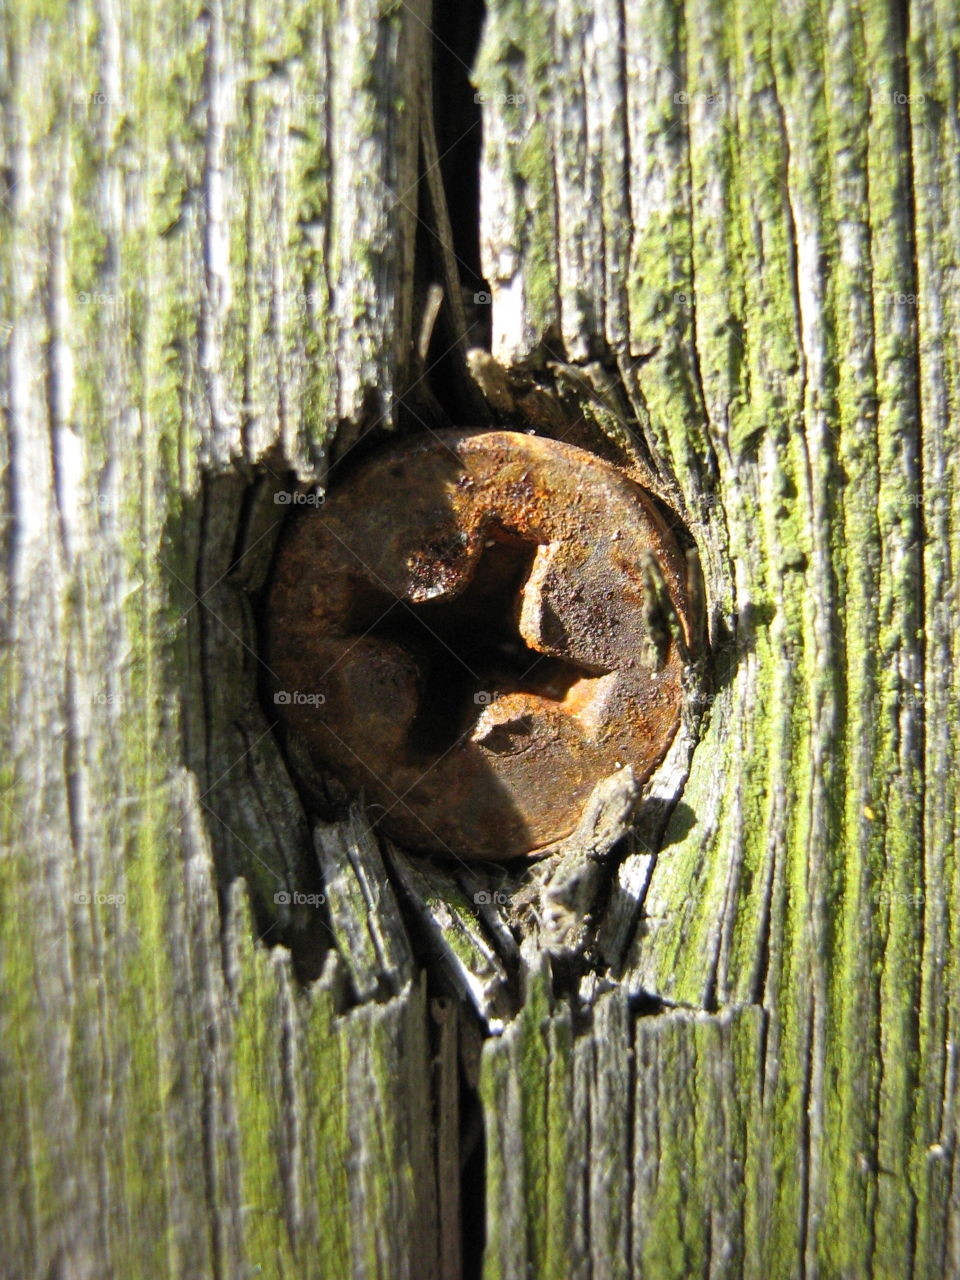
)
(219, 225)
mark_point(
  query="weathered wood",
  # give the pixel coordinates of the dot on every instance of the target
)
(781, 177)
(364, 913)
(721, 244)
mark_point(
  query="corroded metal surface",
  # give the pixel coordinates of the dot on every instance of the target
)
(472, 631)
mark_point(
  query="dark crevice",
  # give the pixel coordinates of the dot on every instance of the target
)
(473, 1181)
(471, 1132)
(457, 127)
(457, 117)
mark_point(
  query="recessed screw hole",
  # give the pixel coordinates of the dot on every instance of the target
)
(469, 648)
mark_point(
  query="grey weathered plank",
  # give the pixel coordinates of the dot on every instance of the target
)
(174, 1103)
(790, 362)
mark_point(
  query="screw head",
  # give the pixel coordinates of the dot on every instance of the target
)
(471, 631)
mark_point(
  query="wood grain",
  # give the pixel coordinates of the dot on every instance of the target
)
(745, 223)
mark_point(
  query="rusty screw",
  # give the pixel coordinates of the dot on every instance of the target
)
(468, 631)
